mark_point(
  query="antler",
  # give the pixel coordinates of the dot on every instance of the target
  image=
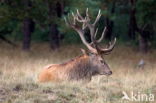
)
(93, 46)
(80, 31)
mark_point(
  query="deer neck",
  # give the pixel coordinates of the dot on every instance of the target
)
(82, 68)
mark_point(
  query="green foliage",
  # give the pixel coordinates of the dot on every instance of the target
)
(40, 35)
(146, 11)
(147, 16)
(12, 15)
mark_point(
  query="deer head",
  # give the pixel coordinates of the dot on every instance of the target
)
(95, 51)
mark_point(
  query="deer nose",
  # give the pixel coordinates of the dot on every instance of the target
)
(110, 72)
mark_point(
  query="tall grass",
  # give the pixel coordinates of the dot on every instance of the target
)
(19, 71)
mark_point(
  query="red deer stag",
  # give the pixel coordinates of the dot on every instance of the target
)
(86, 65)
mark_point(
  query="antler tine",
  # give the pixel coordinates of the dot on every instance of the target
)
(86, 21)
(93, 46)
(102, 36)
(65, 20)
(92, 26)
(94, 36)
(95, 33)
(79, 15)
(87, 15)
(69, 23)
(97, 18)
(80, 20)
(87, 12)
(74, 18)
(110, 48)
(86, 43)
(84, 25)
(79, 30)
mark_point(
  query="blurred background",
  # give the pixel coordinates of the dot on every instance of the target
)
(33, 34)
(24, 22)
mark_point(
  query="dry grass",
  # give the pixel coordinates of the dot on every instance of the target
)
(19, 70)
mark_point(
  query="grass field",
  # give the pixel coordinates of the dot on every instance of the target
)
(19, 71)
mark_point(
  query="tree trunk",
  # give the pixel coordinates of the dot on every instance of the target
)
(55, 11)
(133, 27)
(54, 37)
(28, 27)
(143, 47)
(59, 9)
(110, 23)
(60, 12)
(132, 21)
(143, 40)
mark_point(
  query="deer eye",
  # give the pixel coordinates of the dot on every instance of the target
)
(101, 61)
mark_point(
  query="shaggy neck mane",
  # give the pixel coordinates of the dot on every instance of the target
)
(80, 67)
(76, 59)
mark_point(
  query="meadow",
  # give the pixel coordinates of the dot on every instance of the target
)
(19, 71)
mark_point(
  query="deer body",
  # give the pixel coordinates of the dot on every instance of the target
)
(87, 65)
(80, 68)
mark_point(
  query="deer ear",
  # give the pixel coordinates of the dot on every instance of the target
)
(84, 51)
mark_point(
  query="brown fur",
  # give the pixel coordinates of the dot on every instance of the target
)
(75, 69)
(79, 68)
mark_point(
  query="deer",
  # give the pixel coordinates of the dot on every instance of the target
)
(87, 65)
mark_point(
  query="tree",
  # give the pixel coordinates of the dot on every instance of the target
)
(28, 26)
(53, 11)
(146, 22)
(109, 22)
(53, 28)
(21, 12)
(134, 26)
